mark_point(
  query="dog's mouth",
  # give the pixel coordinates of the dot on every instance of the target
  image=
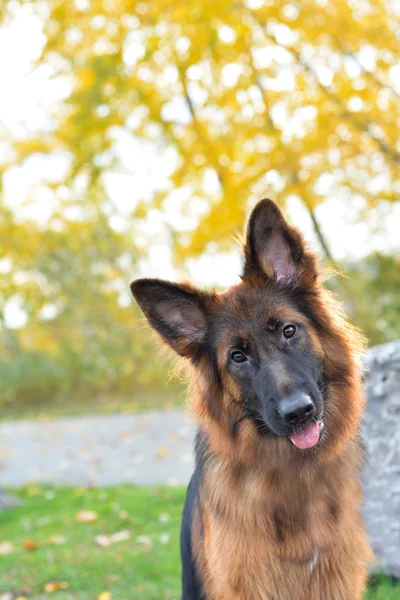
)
(308, 436)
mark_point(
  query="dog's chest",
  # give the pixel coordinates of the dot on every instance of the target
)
(250, 569)
(270, 554)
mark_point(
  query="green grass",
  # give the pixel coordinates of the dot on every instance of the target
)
(383, 588)
(128, 569)
(139, 567)
(79, 404)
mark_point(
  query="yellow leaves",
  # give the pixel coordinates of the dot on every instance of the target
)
(234, 138)
(104, 596)
(27, 147)
(55, 586)
(86, 77)
(87, 516)
(34, 490)
(161, 452)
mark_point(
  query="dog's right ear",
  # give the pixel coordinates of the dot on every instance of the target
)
(176, 311)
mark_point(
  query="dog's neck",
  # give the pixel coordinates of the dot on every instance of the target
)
(246, 491)
(294, 509)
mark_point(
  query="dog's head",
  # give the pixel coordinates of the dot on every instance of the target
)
(272, 357)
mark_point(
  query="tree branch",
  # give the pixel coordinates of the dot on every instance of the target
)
(349, 116)
(372, 76)
(193, 113)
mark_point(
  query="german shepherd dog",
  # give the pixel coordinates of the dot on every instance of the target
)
(273, 508)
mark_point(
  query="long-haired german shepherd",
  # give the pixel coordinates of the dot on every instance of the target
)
(273, 508)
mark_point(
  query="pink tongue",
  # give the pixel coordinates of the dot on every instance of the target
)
(307, 437)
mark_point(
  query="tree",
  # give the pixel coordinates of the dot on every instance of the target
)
(372, 296)
(71, 283)
(241, 99)
(253, 98)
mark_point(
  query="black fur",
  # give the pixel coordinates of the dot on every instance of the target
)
(191, 588)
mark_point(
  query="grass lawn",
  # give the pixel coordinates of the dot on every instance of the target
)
(100, 544)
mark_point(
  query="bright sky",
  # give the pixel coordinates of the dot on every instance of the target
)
(27, 98)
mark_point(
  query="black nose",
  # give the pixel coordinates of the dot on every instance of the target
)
(297, 408)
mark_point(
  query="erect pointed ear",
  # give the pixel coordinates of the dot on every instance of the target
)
(176, 311)
(276, 250)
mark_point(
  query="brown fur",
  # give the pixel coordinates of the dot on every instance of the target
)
(265, 508)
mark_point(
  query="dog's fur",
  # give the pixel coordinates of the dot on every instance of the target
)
(264, 519)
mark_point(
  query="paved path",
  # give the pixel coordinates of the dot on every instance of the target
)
(148, 448)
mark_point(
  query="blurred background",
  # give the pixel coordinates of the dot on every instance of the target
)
(134, 139)
(136, 136)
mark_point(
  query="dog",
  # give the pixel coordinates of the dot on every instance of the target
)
(273, 508)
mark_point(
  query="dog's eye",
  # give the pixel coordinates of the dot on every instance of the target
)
(289, 331)
(238, 357)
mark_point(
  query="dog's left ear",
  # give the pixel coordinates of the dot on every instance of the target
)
(276, 250)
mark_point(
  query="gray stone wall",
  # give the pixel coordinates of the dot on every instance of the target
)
(381, 477)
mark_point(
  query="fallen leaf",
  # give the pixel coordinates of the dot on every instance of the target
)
(6, 548)
(29, 545)
(145, 541)
(161, 452)
(103, 541)
(34, 490)
(86, 516)
(57, 539)
(26, 590)
(163, 517)
(104, 596)
(55, 586)
(106, 540)
(20, 598)
(120, 536)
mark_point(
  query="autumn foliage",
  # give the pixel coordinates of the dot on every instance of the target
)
(224, 103)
